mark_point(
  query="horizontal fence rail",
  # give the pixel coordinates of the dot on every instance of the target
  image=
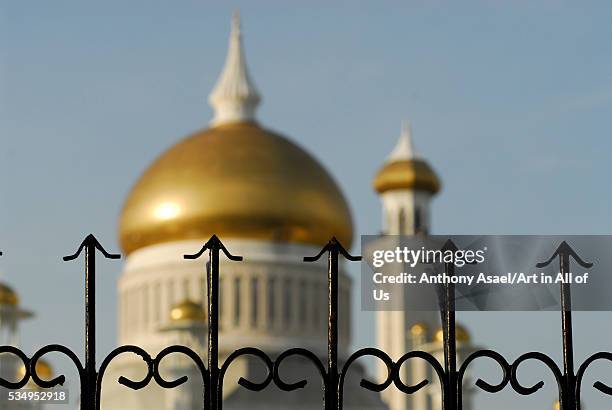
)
(333, 377)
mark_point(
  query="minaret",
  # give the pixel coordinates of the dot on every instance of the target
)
(187, 328)
(10, 316)
(406, 184)
(234, 98)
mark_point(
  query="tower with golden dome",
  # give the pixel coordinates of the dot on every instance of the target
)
(268, 200)
(11, 368)
(406, 184)
(9, 322)
(11, 313)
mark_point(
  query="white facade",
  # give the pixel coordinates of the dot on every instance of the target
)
(272, 296)
(272, 300)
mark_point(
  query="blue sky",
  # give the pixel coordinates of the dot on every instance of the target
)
(511, 102)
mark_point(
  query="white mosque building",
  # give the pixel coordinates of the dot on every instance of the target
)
(273, 203)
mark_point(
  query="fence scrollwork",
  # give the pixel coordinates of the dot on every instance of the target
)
(333, 373)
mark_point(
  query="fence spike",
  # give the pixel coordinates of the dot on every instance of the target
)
(89, 394)
(567, 395)
(334, 248)
(214, 246)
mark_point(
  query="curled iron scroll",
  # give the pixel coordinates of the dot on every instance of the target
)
(134, 385)
(248, 384)
(61, 379)
(184, 350)
(307, 354)
(581, 371)
(366, 384)
(417, 355)
(541, 357)
(496, 357)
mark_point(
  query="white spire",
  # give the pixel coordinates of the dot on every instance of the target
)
(234, 97)
(404, 149)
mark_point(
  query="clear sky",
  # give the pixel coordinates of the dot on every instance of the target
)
(511, 102)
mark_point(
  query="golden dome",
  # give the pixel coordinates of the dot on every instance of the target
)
(236, 180)
(188, 310)
(418, 329)
(461, 334)
(8, 297)
(43, 369)
(556, 405)
(414, 174)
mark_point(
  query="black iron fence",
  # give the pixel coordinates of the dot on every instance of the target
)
(333, 374)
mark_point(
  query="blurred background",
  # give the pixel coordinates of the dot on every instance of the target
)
(511, 104)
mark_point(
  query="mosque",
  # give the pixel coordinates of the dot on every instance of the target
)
(272, 202)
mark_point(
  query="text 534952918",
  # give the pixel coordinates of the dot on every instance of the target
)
(51, 397)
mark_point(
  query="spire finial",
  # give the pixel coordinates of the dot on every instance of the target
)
(236, 22)
(404, 149)
(234, 97)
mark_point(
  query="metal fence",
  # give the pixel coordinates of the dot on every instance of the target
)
(332, 373)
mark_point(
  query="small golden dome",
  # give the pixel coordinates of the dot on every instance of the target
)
(188, 310)
(461, 334)
(418, 329)
(8, 297)
(43, 369)
(557, 405)
(236, 180)
(414, 174)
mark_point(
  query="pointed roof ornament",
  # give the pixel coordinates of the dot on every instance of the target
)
(404, 149)
(234, 98)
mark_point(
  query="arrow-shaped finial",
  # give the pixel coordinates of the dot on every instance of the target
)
(90, 241)
(214, 243)
(565, 250)
(449, 245)
(333, 245)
